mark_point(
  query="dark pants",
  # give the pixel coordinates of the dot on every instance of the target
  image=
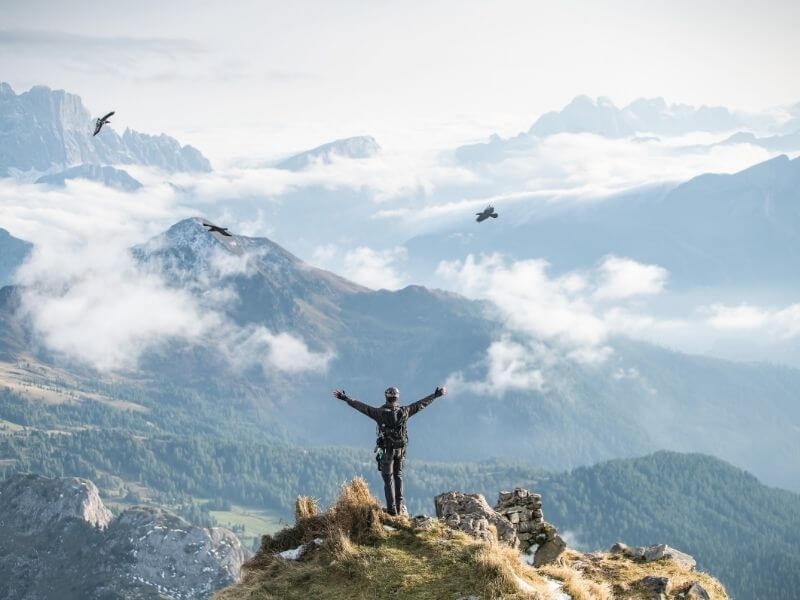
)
(392, 473)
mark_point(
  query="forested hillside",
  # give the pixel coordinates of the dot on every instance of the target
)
(745, 533)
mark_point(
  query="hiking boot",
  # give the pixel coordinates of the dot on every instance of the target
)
(390, 511)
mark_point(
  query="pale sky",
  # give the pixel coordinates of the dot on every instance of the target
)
(269, 78)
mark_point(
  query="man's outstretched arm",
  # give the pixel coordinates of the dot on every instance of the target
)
(420, 404)
(368, 410)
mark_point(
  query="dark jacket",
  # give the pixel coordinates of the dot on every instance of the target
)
(374, 412)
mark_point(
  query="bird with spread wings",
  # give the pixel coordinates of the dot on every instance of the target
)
(98, 124)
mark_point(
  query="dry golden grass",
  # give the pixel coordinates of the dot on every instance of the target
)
(576, 585)
(619, 575)
(305, 507)
(360, 560)
(502, 568)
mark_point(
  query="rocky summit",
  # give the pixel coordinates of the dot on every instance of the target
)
(470, 552)
(59, 541)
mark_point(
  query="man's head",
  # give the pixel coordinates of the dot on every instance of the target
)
(392, 394)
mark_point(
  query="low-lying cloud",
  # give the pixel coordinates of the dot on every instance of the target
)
(552, 319)
(776, 323)
(90, 301)
(376, 269)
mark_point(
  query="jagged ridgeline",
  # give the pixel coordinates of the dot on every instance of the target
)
(355, 550)
(46, 131)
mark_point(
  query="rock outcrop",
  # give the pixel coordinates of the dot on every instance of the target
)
(652, 553)
(523, 509)
(517, 519)
(357, 550)
(471, 514)
(59, 541)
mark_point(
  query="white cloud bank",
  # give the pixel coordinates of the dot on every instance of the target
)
(103, 309)
(776, 323)
(623, 278)
(376, 269)
(549, 319)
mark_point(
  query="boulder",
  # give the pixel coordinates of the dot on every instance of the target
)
(634, 552)
(655, 587)
(696, 592)
(549, 551)
(471, 514)
(662, 551)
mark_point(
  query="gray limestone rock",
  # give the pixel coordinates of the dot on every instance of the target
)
(59, 542)
(655, 587)
(662, 551)
(523, 509)
(471, 514)
(549, 551)
(634, 552)
(696, 592)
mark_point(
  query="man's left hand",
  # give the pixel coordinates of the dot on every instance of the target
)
(440, 391)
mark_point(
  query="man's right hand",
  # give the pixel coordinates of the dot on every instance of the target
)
(340, 394)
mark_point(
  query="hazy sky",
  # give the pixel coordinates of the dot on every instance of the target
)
(265, 78)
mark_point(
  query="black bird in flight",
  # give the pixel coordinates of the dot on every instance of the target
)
(98, 124)
(487, 212)
(220, 230)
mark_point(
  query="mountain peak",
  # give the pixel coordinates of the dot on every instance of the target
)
(45, 129)
(357, 147)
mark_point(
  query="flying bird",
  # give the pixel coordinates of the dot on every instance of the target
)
(98, 124)
(220, 230)
(487, 212)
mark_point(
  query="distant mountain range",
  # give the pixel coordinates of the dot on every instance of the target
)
(601, 117)
(415, 338)
(734, 230)
(789, 142)
(355, 147)
(46, 131)
(109, 176)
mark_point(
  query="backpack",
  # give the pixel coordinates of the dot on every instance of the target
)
(392, 430)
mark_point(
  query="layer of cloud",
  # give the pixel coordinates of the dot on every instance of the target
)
(96, 305)
(91, 302)
(376, 269)
(99, 308)
(510, 365)
(623, 278)
(776, 323)
(596, 165)
(550, 320)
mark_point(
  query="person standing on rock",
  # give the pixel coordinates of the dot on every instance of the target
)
(392, 423)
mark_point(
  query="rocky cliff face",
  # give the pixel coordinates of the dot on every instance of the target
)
(12, 252)
(60, 541)
(45, 130)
